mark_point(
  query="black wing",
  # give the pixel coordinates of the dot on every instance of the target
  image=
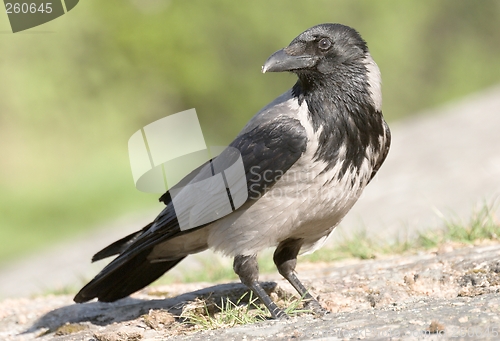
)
(270, 145)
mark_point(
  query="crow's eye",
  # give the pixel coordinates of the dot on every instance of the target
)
(324, 44)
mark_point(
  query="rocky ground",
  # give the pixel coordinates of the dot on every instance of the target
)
(445, 294)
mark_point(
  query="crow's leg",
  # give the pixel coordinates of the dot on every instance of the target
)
(248, 269)
(285, 258)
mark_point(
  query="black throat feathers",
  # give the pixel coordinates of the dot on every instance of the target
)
(341, 107)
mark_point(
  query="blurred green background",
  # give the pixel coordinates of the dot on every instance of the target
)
(74, 90)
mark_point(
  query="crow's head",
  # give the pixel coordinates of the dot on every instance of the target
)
(330, 54)
(319, 50)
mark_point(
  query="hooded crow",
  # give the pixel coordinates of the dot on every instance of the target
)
(307, 157)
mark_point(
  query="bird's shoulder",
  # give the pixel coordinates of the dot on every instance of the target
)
(277, 127)
(283, 112)
(272, 141)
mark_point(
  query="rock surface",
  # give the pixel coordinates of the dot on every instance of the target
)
(445, 294)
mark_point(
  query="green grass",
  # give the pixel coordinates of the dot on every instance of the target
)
(205, 314)
(482, 225)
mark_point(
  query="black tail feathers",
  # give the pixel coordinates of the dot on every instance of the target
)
(131, 276)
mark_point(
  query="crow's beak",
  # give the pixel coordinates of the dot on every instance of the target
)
(282, 61)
